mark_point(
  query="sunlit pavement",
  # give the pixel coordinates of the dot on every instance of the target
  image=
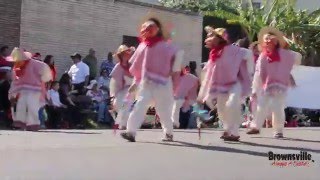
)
(101, 154)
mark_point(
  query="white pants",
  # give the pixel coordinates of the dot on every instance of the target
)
(267, 104)
(122, 108)
(162, 96)
(176, 111)
(229, 109)
(28, 106)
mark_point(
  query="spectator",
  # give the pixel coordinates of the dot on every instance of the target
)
(65, 90)
(79, 73)
(56, 108)
(104, 80)
(99, 100)
(37, 56)
(53, 95)
(66, 98)
(4, 95)
(92, 62)
(108, 64)
(49, 60)
(4, 52)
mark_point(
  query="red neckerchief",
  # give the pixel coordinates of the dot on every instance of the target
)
(216, 52)
(151, 41)
(19, 71)
(53, 72)
(126, 69)
(272, 56)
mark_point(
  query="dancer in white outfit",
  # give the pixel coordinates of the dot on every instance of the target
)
(28, 88)
(153, 64)
(227, 80)
(121, 80)
(185, 95)
(272, 79)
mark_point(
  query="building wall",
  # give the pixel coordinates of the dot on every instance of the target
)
(10, 14)
(61, 27)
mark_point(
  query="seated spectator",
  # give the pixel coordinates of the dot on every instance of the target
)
(104, 80)
(73, 115)
(99, 101)
(53, 95)
(65, 90)
(55, 107)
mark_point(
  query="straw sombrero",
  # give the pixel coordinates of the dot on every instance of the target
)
(163, 23)
(122, 48)
(279, 35)
(218, 31)
(18, 54)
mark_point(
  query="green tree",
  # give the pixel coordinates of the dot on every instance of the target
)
(302, 29)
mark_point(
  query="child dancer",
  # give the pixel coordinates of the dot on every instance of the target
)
(121, 80)
(28, 87)
(272, 79)
(153, 64)
(227, 80)
(185, 94)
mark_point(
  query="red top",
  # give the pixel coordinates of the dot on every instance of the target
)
(4, 62)
(53, 72)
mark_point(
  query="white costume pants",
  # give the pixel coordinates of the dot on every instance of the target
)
(122, 108)
(176, 111)
(229, 109)
(274, 104)
(27, 109)
(162, 96)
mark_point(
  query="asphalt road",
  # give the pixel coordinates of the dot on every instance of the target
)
(99, 154)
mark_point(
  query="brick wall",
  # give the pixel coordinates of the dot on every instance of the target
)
(10, 22)
(61, 27)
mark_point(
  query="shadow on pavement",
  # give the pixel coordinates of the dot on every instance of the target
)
(279, 147)
(290, 139)
(212, 148)
(67, 132)
(195, 131)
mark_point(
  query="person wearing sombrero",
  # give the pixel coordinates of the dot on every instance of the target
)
(28, 89)
(272, 79)
(154, 66)
(227, 80)
(121, 80)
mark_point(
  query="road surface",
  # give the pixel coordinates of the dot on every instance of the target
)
(102, 155)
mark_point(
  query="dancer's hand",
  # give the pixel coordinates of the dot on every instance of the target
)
(132, 88)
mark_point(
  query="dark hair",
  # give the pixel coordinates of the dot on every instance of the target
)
(65, 79)
(53, 83)
(157, 22)
(47, 60)
(222, 41)
(110, 57)
(244, 43)
(3, 48)
(103, 70)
